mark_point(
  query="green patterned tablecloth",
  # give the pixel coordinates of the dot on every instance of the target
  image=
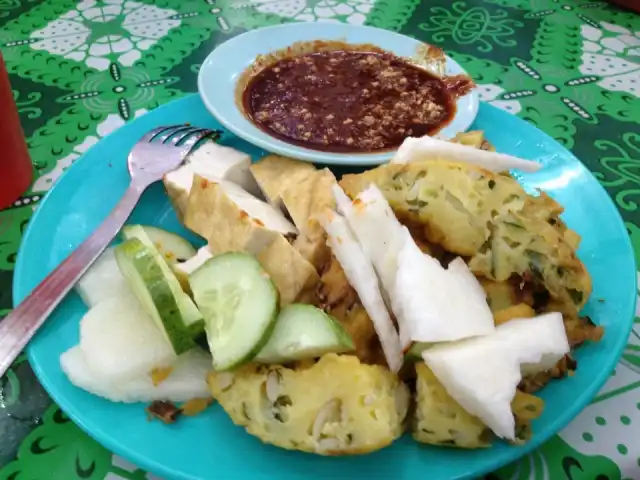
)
(82, 69)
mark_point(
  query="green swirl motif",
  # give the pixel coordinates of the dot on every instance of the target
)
(24, 106)
(57, 450)
(392, 14)
(621, 165)
(557, 460)
(12, 225)
(10, 385)
(472, 26)
(121, 89)
(6, 5)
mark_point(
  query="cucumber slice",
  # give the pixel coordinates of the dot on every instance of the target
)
(304, 331)
(190, 313)
(240, 305)
(142, 267)
(172, 247)
(415, 351)
(184, 269)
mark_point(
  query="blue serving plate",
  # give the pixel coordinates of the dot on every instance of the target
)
(210, 446)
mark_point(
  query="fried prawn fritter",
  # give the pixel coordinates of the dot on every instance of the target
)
(487, 218)
(337, 406)
(338, 298)
(440, 420)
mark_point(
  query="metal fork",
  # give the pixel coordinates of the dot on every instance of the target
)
(156, 153)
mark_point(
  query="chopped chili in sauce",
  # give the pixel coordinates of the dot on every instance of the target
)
(349, 101)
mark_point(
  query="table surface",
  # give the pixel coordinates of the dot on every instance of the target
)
(79, 70)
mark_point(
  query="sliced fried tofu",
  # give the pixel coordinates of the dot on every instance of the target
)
(213, 162)
(305, 201)
(302, 192)
(233, 219)
(294, 277)
(274, 173)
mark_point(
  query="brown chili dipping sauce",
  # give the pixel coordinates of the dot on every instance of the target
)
(348, 101)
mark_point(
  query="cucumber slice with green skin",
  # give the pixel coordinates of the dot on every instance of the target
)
(240, 306)
(190, 313)
(172, 247)
(142, 269)
(304, 331)
(415, 351)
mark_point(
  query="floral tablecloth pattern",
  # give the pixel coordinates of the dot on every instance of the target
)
(81, 69)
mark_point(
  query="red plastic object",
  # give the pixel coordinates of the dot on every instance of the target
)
(16, 170)
(630, 4)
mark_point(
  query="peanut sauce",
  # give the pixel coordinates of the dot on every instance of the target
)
(349, 101)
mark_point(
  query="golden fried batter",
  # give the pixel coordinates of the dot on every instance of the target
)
(487, 218)
(337, 406)
(338, 298)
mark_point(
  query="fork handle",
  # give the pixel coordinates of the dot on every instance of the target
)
(22, 323)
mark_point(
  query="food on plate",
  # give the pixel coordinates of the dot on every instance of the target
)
(473, 138)
(211, 161)
(437, 304)
(182, 270)
(240, 305)
(428, 148)
(234, 221)
(482, 373)
(172, 247)
(120, 340)
(328, 308)
(488, 218)
(378, 231)
(214, 202)
(336, 406)
(305, 201)
(302, 192)
(338, 97)
(102, 281)
(419, 291)
(362, 277)
(275, 173)
(301, 332)
(159, 291)
(186, 378)
(294, 276)
(120, 347)
(440, 420)
(166, 412)
(338, 298)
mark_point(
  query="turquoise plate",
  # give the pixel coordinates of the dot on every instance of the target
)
(210, 446)
(220, 71)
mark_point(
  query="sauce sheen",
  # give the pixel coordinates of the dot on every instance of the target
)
(347, 101)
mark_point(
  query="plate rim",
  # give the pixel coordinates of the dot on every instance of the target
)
(153, 466)
(253, 135)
